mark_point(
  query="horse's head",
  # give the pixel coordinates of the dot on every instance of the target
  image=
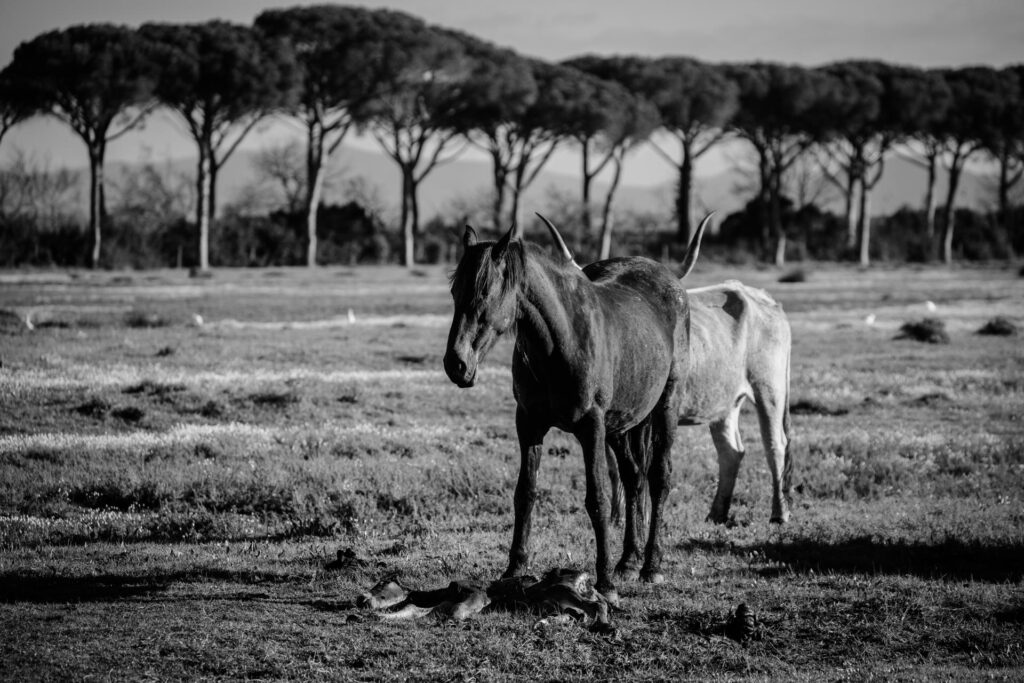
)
(485, 288)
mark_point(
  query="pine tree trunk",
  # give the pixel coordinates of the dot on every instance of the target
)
(1005, 183)
(414, 208)
(851, 212)
(776, 218)
(606, 212)
(408, 224)
(96, 202)
(517, 193)
(212, 204)
(498, 206)
(930, 200)
(585, 220)
(864, 225)
(683, 195)
(314, 188)
(203, 207)
(949, 212)
(763, 201)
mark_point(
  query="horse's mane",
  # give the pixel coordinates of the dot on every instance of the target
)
(482, 272)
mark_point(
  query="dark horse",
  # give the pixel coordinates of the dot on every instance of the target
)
(597, 354)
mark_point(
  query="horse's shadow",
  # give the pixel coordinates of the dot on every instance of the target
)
(950, 559)
(21, 587)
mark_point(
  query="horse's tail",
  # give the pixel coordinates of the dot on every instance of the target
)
(691, 251)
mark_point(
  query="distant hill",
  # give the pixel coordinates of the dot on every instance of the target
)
(467, 181)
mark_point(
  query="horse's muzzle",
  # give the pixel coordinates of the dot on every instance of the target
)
(458, 371)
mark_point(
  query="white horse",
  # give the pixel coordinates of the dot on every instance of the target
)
(740, 344)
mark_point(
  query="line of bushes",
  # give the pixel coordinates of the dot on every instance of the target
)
(349, 235)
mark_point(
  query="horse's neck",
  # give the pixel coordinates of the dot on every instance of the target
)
(550, 311)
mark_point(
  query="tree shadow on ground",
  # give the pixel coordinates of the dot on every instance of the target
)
(951, 559)
(18, 587)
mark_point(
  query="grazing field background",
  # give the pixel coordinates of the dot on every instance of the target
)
(180, 459)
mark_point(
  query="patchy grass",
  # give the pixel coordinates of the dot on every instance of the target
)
(170, 497)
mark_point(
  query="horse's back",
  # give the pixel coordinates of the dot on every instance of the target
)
(738, 335)
(637, 285)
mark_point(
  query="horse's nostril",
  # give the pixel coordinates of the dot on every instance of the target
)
(455, 366)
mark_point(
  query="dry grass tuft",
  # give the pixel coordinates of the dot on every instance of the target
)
(274, 399)
(928, 330)
(794, 276)
(128, 413)
(95, 407)
(140, 318)
(999, 326)
(810, 406)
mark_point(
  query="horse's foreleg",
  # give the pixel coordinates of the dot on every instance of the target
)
(590, 432)
(531, 438)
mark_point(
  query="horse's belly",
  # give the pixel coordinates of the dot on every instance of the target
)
(713, 387)
(637, 395)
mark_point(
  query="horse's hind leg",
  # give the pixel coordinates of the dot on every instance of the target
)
(590, 432)
(770, 401)
(631, 482)
(659, 478)
(726, 435)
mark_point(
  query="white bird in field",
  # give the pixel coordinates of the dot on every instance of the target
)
(197, 319)
(351, 316)
(930, 305)
(869, 319)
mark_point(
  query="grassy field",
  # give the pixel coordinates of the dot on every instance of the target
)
(171, 491)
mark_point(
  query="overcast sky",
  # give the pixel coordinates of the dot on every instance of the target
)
(809, 32)
(921, 32)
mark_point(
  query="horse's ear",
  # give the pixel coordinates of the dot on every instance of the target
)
(501, 246)
(469, 238)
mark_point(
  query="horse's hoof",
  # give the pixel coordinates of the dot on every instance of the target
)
(626, 574)
(780, 519)
(652, 577)
(716, 519)
(611, 596)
